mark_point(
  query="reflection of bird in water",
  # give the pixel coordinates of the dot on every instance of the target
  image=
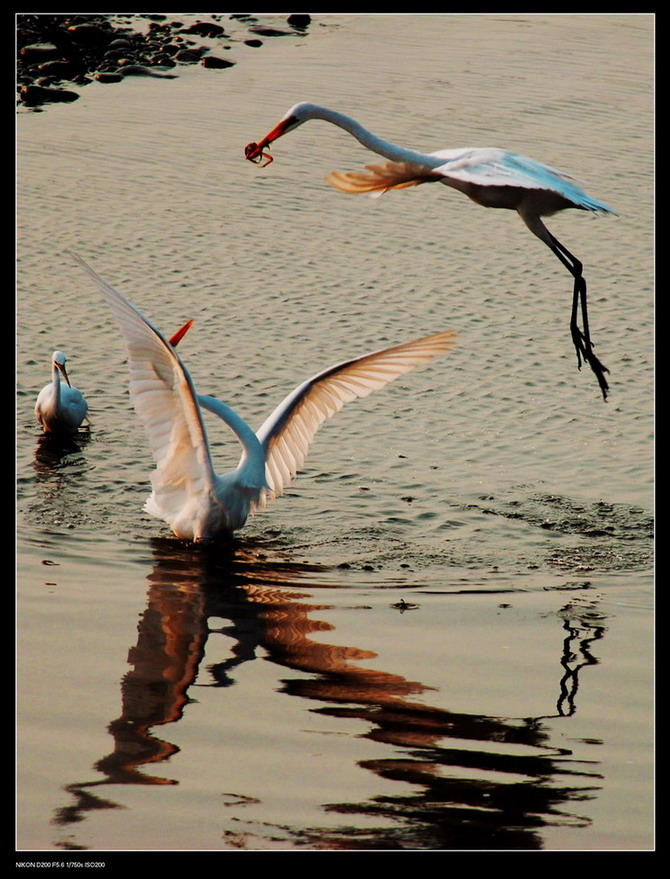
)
(451, 779)
(491, 177)
(584, 626)
(187, 493)
(60, 408)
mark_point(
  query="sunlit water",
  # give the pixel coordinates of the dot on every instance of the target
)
(457, 587)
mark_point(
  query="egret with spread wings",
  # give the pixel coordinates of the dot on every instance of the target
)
(195, 502)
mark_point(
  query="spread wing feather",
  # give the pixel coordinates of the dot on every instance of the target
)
(488, 168)
(287, 434)
(163, 395)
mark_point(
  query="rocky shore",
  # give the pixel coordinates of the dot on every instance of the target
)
(58, 54)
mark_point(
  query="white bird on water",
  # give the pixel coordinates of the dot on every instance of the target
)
(197, 504)
(491, 177)
(60, 408)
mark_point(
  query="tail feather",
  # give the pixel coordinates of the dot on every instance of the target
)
(378, 179)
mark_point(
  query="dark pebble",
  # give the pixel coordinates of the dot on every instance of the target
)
(299, 19)
(169, 48)
(120, 43)
(255, 44)
(204, 29)
(139, 70)
(90, 35)
(220, 63)
(108, 76)
(61, 69)
(38, 54)
(189, 56)
(268, 31)
(31, 95)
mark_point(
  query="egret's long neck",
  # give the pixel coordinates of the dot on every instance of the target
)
(367, 138)
(55, 388)
(252, 463)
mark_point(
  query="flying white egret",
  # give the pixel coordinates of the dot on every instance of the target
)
(187, 494)
(491, 177)
(60, 408)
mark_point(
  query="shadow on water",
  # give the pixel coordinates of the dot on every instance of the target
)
(52, 451)
(466, 781)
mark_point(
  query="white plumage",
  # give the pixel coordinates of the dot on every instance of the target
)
(60, 408)
(187, 493)
(491, 177)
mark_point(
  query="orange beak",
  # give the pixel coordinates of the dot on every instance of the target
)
(179, 335)
(255, 151)
(63, 372)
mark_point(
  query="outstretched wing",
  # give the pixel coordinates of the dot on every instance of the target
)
(163, 395)
(486, 168)
(493, 167)
(287, 434)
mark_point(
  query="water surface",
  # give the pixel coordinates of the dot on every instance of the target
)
(457, 589)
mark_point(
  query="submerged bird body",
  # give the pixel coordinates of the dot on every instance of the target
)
(60, 408)
(187, 494)
(491, 177)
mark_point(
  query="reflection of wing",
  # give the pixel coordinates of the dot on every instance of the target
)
(162, 393)
(286, 435)
(378, 179)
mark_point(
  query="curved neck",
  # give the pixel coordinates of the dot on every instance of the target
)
(55, 389)
(367, 138)
(252, 462)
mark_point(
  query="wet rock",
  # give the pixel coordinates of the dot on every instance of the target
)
(39, 53)
(189, 56)
(62, 69)
(82, 48)
(90, 35)
(205, 29)
(164, 59)
(140, 70)
(107, 76)
(120, 43)
(263, 31)
(33, 95)
(217, 63)
(299, 19)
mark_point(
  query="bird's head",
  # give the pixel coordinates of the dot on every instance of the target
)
(298, 114)
(59, 361)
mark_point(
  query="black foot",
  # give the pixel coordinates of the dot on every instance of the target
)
(599, 369)
(585, 354)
